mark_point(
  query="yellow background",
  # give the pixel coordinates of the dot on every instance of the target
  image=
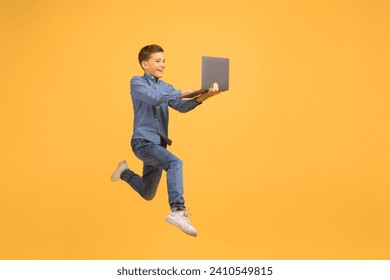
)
(292, 163)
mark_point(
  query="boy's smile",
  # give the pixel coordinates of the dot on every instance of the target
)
(155, 65)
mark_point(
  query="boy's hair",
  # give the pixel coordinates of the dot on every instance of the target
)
(146, 52)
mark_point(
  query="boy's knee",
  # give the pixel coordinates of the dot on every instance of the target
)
(178, 162)
(148, 196)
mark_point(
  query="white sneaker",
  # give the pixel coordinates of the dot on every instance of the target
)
(122, 166)
(180, 220)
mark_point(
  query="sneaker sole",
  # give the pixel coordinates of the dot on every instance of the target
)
(117, 173)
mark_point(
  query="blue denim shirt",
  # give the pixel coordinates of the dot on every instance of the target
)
(151, 98)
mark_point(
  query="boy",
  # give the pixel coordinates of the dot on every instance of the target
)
(151, 98)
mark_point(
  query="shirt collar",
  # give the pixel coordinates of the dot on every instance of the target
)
(151, 78)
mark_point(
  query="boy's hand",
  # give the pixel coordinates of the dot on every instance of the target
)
(214, 90)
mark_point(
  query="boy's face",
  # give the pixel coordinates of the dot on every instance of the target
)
(155, 65)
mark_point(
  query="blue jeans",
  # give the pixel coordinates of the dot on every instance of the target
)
(156, 158)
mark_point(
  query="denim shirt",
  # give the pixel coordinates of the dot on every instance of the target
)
(151, 98)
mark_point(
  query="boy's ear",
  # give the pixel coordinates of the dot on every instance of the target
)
(144, 64)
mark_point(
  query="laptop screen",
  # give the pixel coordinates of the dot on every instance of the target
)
(215, 70)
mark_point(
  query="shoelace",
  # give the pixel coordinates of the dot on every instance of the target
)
(187, 213)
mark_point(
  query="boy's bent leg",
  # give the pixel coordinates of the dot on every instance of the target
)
(146, 185)
(159, 157)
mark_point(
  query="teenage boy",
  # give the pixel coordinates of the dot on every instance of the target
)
(151, 97)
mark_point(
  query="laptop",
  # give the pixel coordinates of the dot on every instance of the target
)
(214, 70)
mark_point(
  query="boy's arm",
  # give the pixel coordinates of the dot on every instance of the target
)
(183, 105)
(141, 91)
(187, 105)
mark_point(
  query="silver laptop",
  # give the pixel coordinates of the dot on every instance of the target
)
(214, 70)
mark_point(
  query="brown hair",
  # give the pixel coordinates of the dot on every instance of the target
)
(146, 52)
